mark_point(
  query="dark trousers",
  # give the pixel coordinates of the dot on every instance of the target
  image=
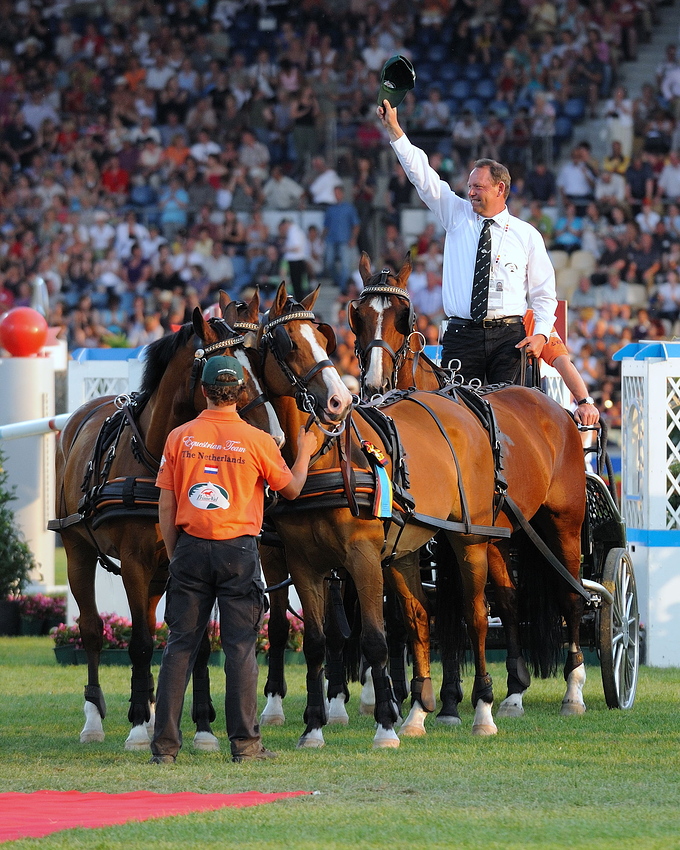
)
(202, 571)
(297, 270)
(488, 354)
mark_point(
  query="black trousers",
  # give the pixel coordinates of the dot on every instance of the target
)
(202, 571)
(488, 354)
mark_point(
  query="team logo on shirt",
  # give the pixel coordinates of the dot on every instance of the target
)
(208, 497)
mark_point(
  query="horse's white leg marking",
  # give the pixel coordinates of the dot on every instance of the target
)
(151, 722)
(367, 698)
(93, 730)
(483, 722)
(273, 715)
(414, 725)
(573, 703)
(206, 742)
(511, 706)
(138, 739)
(312, 740)
(337, 713)
(385, 739)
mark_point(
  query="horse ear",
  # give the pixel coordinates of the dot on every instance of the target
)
(229, 311)
(364, 266)
(201, 327)
(405, 271)
(352, 316)
(310, 299)
(225, 300)
(254, 307)
(279, 301)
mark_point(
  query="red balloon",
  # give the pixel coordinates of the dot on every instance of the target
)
(23, 331)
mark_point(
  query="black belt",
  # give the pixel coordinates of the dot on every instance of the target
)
(485, 323)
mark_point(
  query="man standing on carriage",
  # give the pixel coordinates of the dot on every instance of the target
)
(495, 264)
(211, 480)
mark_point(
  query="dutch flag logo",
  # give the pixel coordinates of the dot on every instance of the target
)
(210, 470)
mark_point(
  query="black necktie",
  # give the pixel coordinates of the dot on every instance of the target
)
(480, 281)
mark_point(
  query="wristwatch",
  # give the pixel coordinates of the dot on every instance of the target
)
(586, 400)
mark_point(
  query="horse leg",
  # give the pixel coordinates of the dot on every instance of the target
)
(397, 644)
(337, 692)
(505, 595)
(275, 571)
(404, 576)
(314, 647)
(367, 698)
(143, 614)
(82, 565)
(202, 709)
(574, 668)
(451, 633)
(472, 560)
(451, 692)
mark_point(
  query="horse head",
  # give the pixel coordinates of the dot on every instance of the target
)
(219, 337)
(245, 319)
(242, 316)
(295, 351)
(383, 321)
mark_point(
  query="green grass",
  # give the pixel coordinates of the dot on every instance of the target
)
(605, 780)
(59, 565)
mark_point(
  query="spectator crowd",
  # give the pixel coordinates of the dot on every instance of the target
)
(152, 154)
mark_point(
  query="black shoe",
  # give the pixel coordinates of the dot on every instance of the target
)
(262, 754)
(162, 760)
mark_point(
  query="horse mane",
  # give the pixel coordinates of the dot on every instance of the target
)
(158, 355)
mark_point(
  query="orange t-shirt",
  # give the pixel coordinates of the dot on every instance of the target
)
(217, 465)
(553, 348)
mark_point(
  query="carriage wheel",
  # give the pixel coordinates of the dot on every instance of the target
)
(619, 636)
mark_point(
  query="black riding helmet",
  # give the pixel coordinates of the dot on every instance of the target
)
(396, 79)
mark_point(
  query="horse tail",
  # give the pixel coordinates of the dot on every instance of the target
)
(450, 633)
(541, 629)
(351, 655)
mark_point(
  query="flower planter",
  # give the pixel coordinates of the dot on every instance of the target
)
(32, 626)
(65, 654)
(290, 656)
(9, 617)
(117, 657)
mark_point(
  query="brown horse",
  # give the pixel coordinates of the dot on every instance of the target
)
(446, 460)
(245, 318)
(389, 351)
(110, 450)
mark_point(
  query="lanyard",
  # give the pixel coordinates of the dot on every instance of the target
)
(500, 244)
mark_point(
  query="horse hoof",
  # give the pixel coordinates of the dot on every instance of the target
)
(311, 741)
(572, 708)
(366, 709)
(413, 731)
(272, 719)
(510, 711)
(138, 739)
(385, 739)
(448, 720)
(206, 742)
(94, 737)
(484, 729)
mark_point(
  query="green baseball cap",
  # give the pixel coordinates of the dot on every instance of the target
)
(396, 79)
(222, 371)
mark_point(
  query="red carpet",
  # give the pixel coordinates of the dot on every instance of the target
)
(42, 812)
